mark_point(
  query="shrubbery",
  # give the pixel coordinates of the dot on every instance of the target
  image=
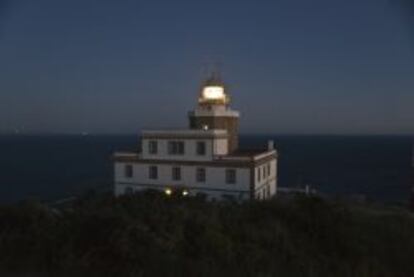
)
(150, 235)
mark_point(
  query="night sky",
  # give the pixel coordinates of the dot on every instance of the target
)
(292, 66)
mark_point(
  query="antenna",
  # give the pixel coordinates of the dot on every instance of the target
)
(211, 69)
(216, 72)
(205, 70)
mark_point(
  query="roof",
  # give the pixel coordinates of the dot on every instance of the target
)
(214, 80)
(181, 134)
(232, 160)
(248, 152)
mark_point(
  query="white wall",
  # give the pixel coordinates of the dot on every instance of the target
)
(220, 147)
(215, 184)
(213, 147)
(269, 182)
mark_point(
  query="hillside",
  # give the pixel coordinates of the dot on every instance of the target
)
(149, 235)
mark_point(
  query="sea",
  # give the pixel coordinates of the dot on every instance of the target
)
(51, 167)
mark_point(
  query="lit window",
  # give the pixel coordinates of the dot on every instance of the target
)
(201, 175)
(230, 176)
(153, 147)
(128, 171)
(201, 148)
(153, 172)
(176, 173)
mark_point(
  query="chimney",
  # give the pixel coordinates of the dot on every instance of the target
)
(270, 145)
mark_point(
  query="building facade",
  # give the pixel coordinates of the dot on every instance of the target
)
(202, 160)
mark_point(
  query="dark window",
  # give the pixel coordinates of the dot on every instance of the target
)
(268, 169)
(201, 195)
(201, 148)
(129, 171)
(180, 147)
(153, 172)
(201, 175)
(153, 147)
(129, 190)
(230, 176)
(176, 147)
(171, 147)
(228, 197)
(176, 173)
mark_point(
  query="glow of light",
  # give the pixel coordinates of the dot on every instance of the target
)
(168, 192)
(213, 93)
(185, 193)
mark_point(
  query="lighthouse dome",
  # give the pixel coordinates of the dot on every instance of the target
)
(213, 92)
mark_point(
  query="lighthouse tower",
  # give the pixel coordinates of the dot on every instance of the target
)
(213, 111)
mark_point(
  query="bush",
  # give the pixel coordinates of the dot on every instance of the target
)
(149, 235)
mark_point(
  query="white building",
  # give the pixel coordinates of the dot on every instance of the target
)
(204, 159)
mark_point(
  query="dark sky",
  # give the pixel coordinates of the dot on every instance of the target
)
(293, 66)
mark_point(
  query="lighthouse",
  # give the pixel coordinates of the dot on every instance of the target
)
(204, 159)
(213, 111)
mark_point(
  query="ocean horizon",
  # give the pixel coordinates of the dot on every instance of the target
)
(53, 166)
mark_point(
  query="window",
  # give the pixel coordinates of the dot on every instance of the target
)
(153, 172)
(201, 148)
(268, 169)
(129, 190)
(128, 171)
(230, 176)
(201, 195)
(201, 175)
(228, 197)
(176, 173)
(176, 147)
(171, 147)
(153, 147)
(265, 192)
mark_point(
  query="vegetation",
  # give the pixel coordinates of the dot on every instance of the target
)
(150, 235)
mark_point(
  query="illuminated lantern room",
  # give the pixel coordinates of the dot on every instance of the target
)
(213, 92)
(214, 112)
